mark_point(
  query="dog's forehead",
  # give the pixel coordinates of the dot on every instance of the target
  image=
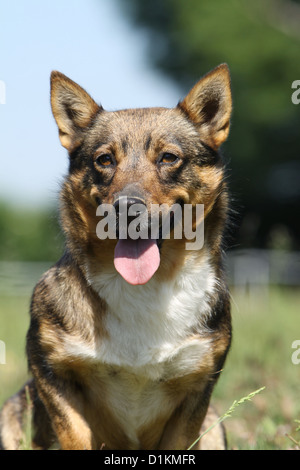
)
(145, 123)
(142, 118)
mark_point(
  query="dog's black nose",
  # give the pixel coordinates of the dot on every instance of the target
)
(124, 216)
(124, 203)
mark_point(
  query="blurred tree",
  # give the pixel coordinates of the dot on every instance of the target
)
(29, 235)
(260, 41)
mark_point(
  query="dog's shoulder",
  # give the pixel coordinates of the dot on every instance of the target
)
(63, 308)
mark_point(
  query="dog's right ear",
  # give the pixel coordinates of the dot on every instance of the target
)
(73, 109)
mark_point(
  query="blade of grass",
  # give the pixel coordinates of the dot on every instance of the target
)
(227, 414)
(26, 443)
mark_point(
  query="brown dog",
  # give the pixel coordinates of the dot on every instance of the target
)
(128, 336)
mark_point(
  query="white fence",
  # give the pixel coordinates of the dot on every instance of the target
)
(263, 268)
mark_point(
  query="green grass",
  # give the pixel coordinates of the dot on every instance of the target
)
(264, 328)
(14, 321)
(228, 413)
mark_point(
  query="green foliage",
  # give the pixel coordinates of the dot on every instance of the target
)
(228, 413)
(29, 234)
(264, 328)
(26, 443)
(260, 41)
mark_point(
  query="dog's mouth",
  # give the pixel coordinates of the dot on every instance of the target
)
(137, 260)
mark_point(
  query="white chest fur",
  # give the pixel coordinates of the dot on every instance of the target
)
(149, 338)
(151, 324)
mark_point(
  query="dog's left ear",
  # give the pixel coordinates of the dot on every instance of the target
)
(209, 106)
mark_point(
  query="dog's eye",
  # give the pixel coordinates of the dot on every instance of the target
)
(168, 158)
(104, 160)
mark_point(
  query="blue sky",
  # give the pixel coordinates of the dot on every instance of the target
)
(92, 42)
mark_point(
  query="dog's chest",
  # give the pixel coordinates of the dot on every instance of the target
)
(150, 339)
(150, 325)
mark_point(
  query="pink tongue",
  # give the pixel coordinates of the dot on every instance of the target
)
(136, 260)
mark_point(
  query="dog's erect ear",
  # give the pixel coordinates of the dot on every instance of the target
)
(73, 109)
(209, 106)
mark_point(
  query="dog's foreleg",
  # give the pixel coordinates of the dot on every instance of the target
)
(184, 426)
(66, 411)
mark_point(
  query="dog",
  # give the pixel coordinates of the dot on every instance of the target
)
(127, 336)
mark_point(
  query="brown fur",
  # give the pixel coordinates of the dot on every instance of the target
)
(71, 394)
